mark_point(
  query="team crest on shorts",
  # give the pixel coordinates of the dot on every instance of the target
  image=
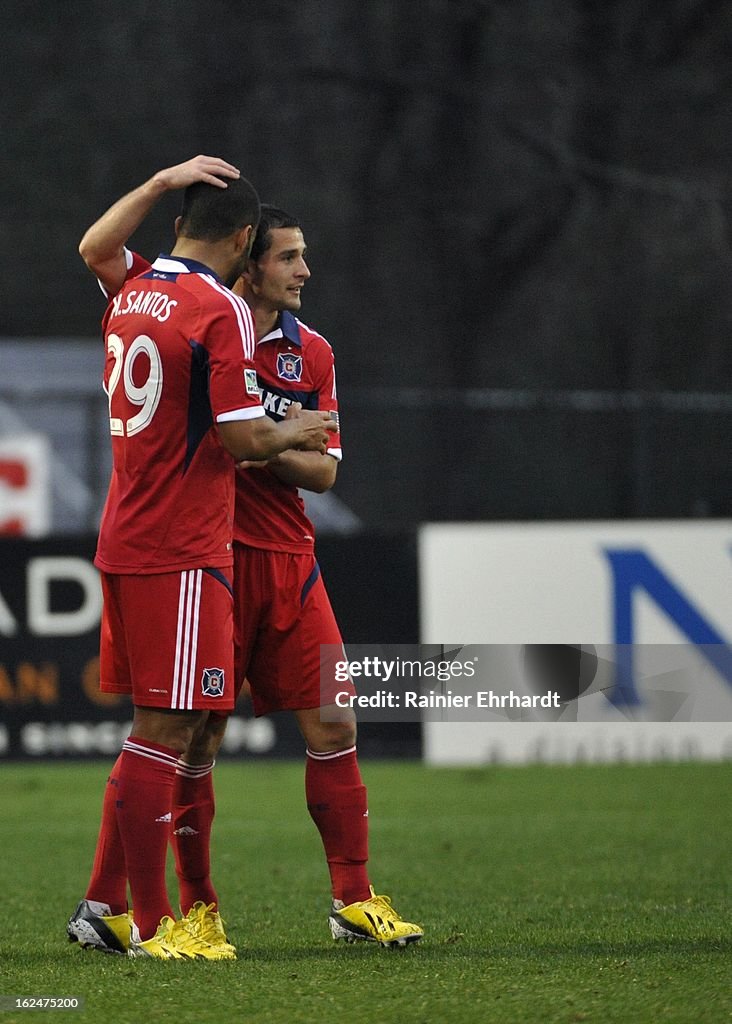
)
(212, 682)
(289, 367)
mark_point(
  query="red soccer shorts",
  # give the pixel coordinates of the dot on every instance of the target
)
(281, 617)
(167, 639)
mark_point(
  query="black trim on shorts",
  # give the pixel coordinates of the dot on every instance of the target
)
(309, 584)
(218, 575)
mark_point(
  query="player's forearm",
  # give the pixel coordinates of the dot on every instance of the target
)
(105, 239)
(259, 439)
(276, 438)
(309, 470)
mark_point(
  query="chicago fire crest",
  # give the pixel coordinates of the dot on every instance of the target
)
(289, 366)
(212, 682)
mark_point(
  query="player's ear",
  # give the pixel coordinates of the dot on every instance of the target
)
(176, 226)
(244, 238)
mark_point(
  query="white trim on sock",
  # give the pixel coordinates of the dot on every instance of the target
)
(194, 771)
(328, 756)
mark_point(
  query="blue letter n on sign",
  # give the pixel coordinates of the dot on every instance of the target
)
(633, 570)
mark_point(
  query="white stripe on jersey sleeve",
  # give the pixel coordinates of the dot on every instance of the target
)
(243, 317)
(317, 334)
(253, 412)
(305, 327)
(128, 263)
(337, 453)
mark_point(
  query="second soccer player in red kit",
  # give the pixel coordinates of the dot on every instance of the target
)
(283, 617)
(183, 403)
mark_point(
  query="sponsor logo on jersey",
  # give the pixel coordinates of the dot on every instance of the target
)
(250, 382)
(212, 682)
(275, 405)
(289, 366)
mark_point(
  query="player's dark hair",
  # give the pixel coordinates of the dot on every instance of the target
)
(210, 213)
(271, 217)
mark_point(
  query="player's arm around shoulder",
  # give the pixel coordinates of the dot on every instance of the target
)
(309, 470)
(261, 439)
(245, 430)
(313, 471)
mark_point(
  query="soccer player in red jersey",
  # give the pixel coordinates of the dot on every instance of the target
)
(183, 399)
(281, 608)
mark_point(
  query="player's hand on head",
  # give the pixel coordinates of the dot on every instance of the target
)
(211, 169)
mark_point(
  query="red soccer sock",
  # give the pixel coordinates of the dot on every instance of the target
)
(193, 814)
(108, 882)
(144, 803)
(336, 798)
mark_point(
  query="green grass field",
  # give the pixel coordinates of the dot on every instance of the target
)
(548, 894)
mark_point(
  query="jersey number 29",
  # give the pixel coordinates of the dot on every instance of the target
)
(147, 395)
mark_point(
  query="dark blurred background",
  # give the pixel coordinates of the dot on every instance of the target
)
(517, 213)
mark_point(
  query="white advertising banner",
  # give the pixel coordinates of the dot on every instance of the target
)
(25, 506)
(655, 598)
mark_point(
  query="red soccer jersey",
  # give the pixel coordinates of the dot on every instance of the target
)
(294, 364)
(179, 350)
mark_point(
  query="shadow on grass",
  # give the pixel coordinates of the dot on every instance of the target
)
(632, 949)
(432, 951)
(447, 950)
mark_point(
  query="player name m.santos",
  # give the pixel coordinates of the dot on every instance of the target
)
(158, 305)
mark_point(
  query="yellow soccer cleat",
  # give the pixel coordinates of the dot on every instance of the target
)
(93, 926)
(160, 946)
(205, 923)
(372, 920)
(173, 941)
